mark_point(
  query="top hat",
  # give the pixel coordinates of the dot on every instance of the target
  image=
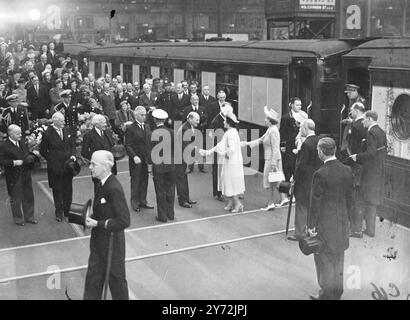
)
(30, 160)
(72, 167)
(79, 212)
(310, 245)
(351, 87)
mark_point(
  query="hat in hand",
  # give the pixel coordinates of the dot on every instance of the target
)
(72, 167)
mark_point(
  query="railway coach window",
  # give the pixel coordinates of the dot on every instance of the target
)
(127, 72)
(144, 73)
(192, 76)
(229, 83)
(97, 69)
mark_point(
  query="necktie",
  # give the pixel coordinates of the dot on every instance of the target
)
(60, 132)
(37, 89)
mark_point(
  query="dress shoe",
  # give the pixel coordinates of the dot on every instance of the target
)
(22, 224)
(160, 220)
(192, 202)
(146, 206)
(185, 205)
(170, 218)
(228, 207)
(59, 219)
(314, 297)
(356, 235)
(220, 198)
(293, 238)
(32, 221)
(137, 209)
(202, 170)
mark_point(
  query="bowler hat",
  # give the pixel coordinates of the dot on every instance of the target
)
(78, 213)
(72, 167)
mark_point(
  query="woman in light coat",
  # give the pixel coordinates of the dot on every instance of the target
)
(272, 155)
(232, 181)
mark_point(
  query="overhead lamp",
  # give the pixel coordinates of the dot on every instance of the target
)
(34, 14)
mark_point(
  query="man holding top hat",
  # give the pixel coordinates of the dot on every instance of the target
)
(58, 148)
(109, 219)
(163, 167)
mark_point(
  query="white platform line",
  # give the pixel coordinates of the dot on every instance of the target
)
(131, 230)
(147, 256)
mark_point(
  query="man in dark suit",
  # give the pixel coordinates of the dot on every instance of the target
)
(108, 104)
(356, 136)
(148, 100)
(179, 102)
(306, 164)
(203, 123)
(40, 66)
(205, 99)
(372, 159)
(218, 127)
(132, 96)
(137, 144)
(289, 129)
(109, 219)
(214, 108)
(15, 114)
(163, 167)
(186, 131)
(331, 207)
(99, 138)
(38, 99)
(57, 146)
(14, 156)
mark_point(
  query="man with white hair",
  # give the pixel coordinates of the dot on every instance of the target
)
(137, 144)
(148, 98)
(57, 146)
(109, 219)
(306, 164)
(98, 138)
(14, 157)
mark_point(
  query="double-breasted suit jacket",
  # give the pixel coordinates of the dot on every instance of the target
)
(178, 106)
(18, 117)
(373, 166)
(332, 204)
(56, 151)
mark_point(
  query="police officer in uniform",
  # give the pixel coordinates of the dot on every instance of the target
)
(15, 114)
(163, 167)
(69, 110)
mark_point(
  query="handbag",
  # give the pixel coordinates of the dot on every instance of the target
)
(310, 245)
(276, 176)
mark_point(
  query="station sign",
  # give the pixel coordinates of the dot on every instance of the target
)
(317, 5)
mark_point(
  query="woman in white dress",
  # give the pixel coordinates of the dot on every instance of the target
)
(232, 181)
(272, 155)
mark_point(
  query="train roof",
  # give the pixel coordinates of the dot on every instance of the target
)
(274, 51)
(384, 53)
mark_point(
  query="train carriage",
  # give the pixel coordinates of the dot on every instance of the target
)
(385, 65)
(253, 74)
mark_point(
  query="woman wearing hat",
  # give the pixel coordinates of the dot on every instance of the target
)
(55, 94)
(232, 182)
(272, 155)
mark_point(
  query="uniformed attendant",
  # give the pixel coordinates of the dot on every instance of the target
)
(69, 110)
(57, 147)
(15, 114)
(163, 168)
(110, 215)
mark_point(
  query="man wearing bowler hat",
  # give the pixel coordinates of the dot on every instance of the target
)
(109, 219)
(331, 208)
(57, 147)
(163, 167)
(14, 156)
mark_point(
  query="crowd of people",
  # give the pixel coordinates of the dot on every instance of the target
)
(48, 85)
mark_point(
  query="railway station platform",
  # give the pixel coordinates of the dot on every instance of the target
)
(205, 253)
